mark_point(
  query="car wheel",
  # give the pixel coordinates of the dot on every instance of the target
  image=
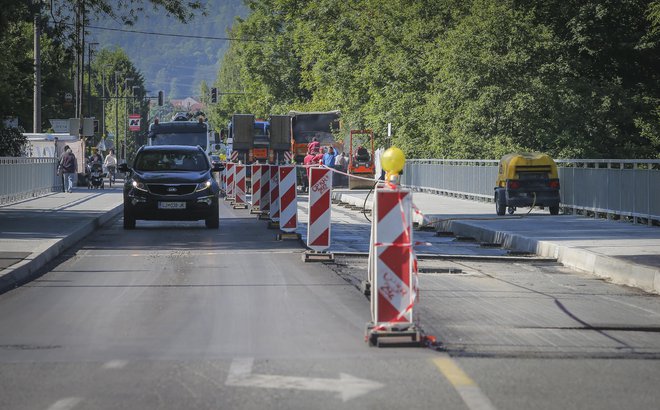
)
(129, 219)
(554, 209)
(500, 205)
(213, 220)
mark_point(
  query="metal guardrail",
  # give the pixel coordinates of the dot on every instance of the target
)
(22, 178)
(610, 188)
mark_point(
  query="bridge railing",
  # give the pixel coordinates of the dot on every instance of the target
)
(22, 178)
(611, 188)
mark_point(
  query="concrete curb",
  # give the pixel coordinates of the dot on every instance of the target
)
(27, 269)
(612, 269)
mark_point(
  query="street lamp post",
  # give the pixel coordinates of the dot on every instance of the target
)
(126, 80)
(103, 103)
(116, 105)
(89, 77)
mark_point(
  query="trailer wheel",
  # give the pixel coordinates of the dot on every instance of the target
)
(500, 204)
(554, 209)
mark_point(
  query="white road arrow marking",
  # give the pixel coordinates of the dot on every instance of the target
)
(348, 387)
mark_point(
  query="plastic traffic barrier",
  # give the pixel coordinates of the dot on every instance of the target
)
(288, 198)
(239, 186)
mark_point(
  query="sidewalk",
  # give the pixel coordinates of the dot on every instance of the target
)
(620, 252)
(35, 231)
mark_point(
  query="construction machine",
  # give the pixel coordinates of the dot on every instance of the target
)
(361, 159)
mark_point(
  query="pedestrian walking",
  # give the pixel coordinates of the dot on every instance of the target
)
(68, 167)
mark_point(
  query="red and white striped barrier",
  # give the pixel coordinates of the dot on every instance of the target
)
(223, 180)
(320, 201)
(288, 198)
(239, 186)
(394, 289)
(255, 200)
(264, 207)
(230, 180)
(274, 193)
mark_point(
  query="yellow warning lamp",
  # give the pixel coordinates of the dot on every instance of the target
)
(392, 161)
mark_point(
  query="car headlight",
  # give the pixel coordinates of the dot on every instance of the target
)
(139, 185)
(203, 185)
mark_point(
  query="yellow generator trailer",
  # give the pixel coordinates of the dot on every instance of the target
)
(527, 179)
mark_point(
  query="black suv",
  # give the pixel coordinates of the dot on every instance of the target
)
(171, 182)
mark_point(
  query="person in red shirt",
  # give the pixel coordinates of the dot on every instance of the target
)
(307, 162)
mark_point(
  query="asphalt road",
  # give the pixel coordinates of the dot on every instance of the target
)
(176, 316)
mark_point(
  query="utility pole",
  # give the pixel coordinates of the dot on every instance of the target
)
(89, 78)
(116, 105)
(82, 61)
(36, 118)
(103, 102)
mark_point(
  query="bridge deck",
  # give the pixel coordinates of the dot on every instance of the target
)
(623, 252)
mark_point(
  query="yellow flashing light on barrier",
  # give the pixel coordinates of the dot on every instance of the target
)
(393, 161)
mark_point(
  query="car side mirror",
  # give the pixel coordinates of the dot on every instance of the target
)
(217, 167)
(123, 168)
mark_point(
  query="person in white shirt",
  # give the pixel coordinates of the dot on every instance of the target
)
(110, 163)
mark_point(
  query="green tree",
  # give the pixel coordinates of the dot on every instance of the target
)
(12, 142)
(458, 79)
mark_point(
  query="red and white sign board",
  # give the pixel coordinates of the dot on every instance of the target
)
(288, 198)
(230, 180)
(255, 199)
(265, 189)
(134, 122)
(274, 214)
(239, 184)
(392, 257)
(320, 201)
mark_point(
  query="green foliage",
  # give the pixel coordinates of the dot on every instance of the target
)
(12, 142)
(460, 79)
(111, 74)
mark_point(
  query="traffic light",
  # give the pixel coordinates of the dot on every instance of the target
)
(214, 95)
(160, 98)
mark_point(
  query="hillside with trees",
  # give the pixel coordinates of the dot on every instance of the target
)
(459, 79)
(176, 65)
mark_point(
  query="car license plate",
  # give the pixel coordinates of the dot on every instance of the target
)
(171, 205)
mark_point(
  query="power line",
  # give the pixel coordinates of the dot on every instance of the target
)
(153, 33)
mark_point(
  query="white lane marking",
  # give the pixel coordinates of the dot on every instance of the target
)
(348, 387)
(65, 404)
(115, 364)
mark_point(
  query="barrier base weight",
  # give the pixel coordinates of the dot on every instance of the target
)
(365, 288)
(287, 236)
(255, 210)
(394, 335)
(240, 206)
(313, 256)
(274, 225)
(264, 215)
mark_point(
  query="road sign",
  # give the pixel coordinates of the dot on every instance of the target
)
(134, 122)
(60, 126)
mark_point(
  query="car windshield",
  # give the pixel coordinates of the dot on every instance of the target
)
(171, 161)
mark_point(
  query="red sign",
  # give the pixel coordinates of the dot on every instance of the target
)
(134, 122)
